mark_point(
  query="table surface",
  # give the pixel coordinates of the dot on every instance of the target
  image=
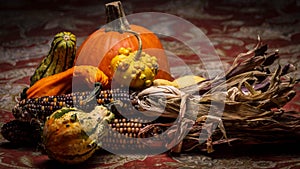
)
(232, 27)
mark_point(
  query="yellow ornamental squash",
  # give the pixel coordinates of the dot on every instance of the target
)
(134, 69)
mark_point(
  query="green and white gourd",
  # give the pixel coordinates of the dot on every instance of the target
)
(60, 57)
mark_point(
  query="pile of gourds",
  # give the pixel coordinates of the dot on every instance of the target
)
(112, 52)
(129, 56)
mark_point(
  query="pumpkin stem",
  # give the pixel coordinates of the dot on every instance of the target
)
(115, 18)
(117, 22)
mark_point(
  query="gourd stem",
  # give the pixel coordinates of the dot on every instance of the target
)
(117, 22)
(139, 51)
(94, 93)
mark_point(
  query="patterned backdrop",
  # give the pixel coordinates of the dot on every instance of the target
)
(27, 29)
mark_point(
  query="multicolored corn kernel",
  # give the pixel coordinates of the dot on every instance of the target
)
(40, 108)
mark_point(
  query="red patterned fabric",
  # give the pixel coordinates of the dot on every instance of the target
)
(27, 28)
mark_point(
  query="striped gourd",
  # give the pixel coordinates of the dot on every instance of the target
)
(60, 57)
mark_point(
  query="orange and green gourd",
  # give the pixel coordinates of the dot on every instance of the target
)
(72, 136)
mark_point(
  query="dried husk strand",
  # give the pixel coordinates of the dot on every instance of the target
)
(252, 111)
(283, 127)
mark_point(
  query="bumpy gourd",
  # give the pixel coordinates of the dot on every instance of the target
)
(132, 69)
(71, 136)
(60, 57)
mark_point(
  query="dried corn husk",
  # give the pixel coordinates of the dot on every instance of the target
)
(244, 104)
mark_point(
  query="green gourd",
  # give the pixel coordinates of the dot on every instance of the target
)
(60, 57)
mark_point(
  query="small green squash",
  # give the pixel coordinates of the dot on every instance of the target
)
(60, 57)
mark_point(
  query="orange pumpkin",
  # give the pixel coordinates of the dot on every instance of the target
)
(103, 45)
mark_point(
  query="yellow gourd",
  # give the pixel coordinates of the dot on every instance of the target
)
(134, 69)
